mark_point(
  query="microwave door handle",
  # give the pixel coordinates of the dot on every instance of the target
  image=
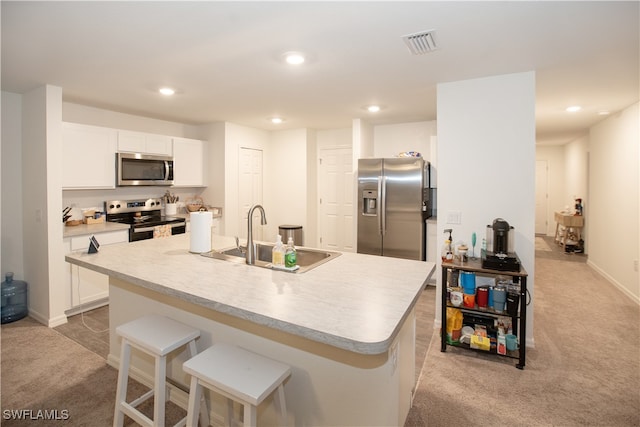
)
(166, 170)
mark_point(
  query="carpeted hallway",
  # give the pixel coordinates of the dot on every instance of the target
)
(584, 370)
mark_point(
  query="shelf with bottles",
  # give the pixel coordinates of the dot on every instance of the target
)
(491, 326)
(490, 334)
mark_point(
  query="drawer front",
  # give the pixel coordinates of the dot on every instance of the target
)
(82, 242)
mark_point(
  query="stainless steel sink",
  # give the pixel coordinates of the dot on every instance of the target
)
(307, 259)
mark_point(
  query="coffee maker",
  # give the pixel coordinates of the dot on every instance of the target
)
(500, 254)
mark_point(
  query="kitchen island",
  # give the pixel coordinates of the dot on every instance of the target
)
(346, 327)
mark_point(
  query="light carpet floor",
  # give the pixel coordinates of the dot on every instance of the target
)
(584, 370)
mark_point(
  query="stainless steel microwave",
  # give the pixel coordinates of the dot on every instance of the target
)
(143, 169)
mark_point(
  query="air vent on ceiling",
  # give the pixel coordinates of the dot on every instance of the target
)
(422, 42)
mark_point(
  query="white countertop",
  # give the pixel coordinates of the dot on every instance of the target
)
(354, 302)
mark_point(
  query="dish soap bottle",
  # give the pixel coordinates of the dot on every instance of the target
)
(277, 254)
(290, 256)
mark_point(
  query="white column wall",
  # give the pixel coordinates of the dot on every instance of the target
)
(486, 162)
(287, 192)
(11, 217)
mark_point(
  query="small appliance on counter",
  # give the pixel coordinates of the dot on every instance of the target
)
(500, 254)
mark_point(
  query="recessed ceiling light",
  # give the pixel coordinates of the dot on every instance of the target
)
(574, 108)
(294, 58)
(276, 120)
(166, 91)
(373, 108)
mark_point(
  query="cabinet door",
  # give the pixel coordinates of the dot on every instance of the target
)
(88, 285)
(159, 144)
(88, 156)
(188, 168)
(144, 143)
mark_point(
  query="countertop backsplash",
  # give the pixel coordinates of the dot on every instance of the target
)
(80, 199)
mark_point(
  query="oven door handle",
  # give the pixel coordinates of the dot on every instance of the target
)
(145, 229)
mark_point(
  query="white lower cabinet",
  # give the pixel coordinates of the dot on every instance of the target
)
(86, 286)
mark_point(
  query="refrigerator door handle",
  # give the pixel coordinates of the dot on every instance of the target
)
(382, 182)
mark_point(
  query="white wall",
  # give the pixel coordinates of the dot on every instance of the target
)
(613, 226)
(390, 140)
(363, 141)
(77, 113)
(11, 216)
(215, 148)
(576, 171)
(486, 162)
(286, 194)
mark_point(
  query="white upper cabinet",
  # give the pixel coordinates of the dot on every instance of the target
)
(88, 156)
(188, 166)
(144, 143)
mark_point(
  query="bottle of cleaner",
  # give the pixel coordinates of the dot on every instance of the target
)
(290, 256)
(447, 253)
(277, 254)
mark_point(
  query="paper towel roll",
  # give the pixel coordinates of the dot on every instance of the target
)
(200, 231)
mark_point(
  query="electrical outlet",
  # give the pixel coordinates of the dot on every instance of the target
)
(635, 265)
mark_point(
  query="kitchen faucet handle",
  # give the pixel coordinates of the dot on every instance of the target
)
(242, 251)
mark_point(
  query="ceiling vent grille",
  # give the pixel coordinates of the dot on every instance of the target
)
(422, 42)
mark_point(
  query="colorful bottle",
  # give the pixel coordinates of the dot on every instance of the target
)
(447, 253)
(277, 253)
(290, 256)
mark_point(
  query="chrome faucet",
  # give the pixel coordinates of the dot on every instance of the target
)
(251, 249)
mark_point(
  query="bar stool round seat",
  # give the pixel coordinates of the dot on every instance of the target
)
(239, 375)
(157, 336)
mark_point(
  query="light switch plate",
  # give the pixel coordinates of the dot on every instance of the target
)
(454, 217)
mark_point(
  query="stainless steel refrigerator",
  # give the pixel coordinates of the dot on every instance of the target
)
(393, 205)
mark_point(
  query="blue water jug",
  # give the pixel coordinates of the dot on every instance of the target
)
(14, 299)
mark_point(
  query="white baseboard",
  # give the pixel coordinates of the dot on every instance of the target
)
(49, 322)
(614, 282)
(92, 305)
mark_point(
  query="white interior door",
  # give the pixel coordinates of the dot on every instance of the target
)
(335, 178)
(541, 196)
(250, 188)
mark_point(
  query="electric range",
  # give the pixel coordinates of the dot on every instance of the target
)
(144, 217)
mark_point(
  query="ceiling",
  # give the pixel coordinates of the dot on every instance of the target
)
(224, 58)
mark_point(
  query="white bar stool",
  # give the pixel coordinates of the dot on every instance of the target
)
(238, 375)
(158, 336)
